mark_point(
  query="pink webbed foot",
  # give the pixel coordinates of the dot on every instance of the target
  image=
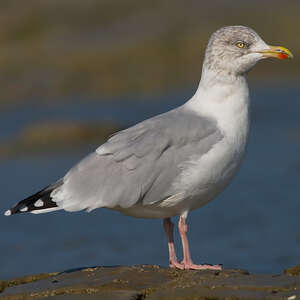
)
(176, 265)
(192, 266)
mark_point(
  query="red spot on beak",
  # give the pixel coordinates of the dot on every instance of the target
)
(282, 56)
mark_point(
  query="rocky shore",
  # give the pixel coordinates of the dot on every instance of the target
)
(152, 282)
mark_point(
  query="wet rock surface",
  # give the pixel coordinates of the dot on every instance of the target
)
(152, 282)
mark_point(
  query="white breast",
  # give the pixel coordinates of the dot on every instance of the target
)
(202, 178)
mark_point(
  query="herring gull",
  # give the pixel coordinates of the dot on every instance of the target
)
(174, 162)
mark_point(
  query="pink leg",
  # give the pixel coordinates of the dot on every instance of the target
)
(187, 261)
(168, 226)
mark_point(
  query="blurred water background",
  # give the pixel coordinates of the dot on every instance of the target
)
(73, 72)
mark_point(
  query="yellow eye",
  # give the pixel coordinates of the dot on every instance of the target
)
(240, 44)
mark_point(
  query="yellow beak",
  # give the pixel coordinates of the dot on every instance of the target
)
(277, 52)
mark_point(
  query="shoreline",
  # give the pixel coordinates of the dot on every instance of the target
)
(153, 282)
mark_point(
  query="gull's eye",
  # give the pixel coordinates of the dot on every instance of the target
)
(240, 44)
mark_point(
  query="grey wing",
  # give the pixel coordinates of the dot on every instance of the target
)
(138, 164)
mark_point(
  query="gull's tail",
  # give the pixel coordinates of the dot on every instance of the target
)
(38, 203)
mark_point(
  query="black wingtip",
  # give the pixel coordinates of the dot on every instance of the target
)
(39, 201)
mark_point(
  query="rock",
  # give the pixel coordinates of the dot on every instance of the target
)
(107, 295)
(153, 283)
(294, 271)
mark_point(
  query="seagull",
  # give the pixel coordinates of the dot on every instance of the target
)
(177, 161)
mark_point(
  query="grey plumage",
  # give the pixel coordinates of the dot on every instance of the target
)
(138, 165)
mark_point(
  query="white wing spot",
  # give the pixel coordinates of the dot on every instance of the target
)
(24, 209)
(39, 203)
(42, 211)
(7, 213)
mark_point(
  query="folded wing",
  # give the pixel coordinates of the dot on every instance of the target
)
(138, 164)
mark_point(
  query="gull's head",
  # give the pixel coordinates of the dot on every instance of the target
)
(234, 50)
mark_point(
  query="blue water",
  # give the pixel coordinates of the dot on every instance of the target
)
(253, 225)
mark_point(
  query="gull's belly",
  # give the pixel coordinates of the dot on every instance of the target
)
(200, 181)
(209, 175)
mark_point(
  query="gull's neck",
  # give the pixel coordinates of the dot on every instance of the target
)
(223, 97)
(211, 77)
(220, 91)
